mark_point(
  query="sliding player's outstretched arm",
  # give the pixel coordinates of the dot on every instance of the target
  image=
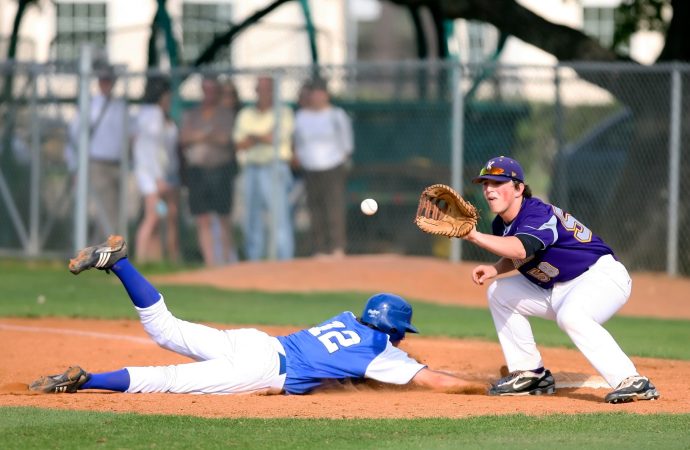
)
(445, 382)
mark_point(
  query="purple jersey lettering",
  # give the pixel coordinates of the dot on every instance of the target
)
(568, 247)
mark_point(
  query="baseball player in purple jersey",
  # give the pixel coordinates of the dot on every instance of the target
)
(567, 274)
(249, 360)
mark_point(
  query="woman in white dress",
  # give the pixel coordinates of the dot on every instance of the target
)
(156, 164)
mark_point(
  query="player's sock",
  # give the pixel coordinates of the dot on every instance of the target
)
(539, 370)
(111, 381)
(142, 293)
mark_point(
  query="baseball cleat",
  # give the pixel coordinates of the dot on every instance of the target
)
(524, 382)
(102, 256)
(633, 388)
(69, 381)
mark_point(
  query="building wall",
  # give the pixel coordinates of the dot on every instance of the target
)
(277, 40)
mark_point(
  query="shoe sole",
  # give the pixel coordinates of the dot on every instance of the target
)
(628, 398)
(539, 391)
(48, 385)
(84, 258)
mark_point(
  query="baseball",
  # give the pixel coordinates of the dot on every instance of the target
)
(369, 206)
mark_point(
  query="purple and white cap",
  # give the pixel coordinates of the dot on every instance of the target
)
(501, 168)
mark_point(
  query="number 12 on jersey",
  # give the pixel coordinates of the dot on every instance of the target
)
(328, 336)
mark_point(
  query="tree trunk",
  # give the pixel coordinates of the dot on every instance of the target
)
(677, 45)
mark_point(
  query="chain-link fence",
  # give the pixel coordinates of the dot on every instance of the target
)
(606, 142)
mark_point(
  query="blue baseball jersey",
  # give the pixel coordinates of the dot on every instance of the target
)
(342, 348)
(569, 248)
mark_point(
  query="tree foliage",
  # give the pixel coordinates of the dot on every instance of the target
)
(640, 15)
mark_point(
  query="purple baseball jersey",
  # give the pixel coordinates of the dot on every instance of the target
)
(568, 247)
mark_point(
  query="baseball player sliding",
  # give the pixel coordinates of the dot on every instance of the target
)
(249, 360)
(567, 274)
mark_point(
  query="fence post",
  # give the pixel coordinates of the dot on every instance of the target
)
(35, 193)
(674, 174)
(457, 146)
(82, 194)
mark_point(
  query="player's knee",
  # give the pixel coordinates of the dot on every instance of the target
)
(160, 339)
(570, 319)
(162, 329)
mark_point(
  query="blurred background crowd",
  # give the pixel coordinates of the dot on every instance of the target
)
(221, 146)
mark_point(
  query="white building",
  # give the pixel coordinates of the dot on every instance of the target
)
(476, 42)
(54, 29)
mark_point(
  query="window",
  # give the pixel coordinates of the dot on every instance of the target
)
(200, 24)
(78, 23)
(481, 41)
(599, 23)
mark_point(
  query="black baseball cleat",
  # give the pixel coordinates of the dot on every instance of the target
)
(633, 388)
(68, 382)
(524, 382)
(102, 256)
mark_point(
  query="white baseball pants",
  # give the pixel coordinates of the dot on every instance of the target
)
(579, 306)
(229, 361)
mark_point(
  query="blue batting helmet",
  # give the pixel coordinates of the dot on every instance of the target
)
(389, 313)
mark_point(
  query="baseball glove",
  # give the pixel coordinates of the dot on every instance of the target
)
(443, 211)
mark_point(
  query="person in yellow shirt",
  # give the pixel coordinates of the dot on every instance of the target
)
(264, 159)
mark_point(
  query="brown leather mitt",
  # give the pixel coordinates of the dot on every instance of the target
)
(443, 211)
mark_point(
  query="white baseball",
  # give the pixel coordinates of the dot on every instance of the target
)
(369, 206)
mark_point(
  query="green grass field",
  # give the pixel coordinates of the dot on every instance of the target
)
(41, 289)
(27, 428)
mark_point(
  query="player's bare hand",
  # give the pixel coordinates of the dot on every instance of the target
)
(482, 273)
(471, 236)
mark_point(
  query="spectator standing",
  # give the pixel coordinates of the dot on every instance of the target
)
(208, 154)
(323, 147)
(108, 125)
(262, 169)
(157, 167)
(303, 95)
(229, 97)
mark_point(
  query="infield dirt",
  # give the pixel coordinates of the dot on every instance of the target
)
(34, 347)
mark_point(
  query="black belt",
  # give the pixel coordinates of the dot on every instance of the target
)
(108, 162)
(283, 364)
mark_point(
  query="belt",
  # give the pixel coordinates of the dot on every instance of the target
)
(283, 364)
(107, 162)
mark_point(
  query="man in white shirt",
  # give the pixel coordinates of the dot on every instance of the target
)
(108, 140)
(323, 146)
